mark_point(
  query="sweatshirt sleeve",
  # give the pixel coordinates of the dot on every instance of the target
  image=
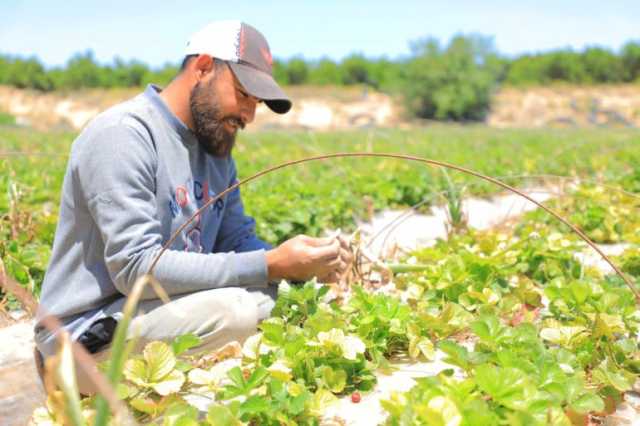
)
(116, 172)
(237, 230)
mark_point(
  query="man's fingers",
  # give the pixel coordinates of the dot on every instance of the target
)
(337, 265)
(346, 256)
(327, 252)
(333, 263)
(343, 242)
(319, 242)
(345, 250)
(342, 268)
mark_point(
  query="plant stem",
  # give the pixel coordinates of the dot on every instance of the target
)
(399, 268)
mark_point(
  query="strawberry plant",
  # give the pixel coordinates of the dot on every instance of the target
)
(605, 215)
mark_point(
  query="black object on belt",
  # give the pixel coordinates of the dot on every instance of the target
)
(99, 335)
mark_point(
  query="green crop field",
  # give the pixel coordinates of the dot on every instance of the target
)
(314, 197)
(532, 336)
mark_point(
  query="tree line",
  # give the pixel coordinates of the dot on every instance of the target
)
(442, 81)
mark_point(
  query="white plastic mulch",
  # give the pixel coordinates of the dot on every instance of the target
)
(413, 230)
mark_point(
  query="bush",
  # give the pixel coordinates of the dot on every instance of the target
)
(603, 66)
(161, 77)
(297, 71)
(325, 72)
(81, 71)
(279, 71)
(356, 70)
(453, 83)
(593, 65)
(24, 74)
(386, 74)
(631, 61)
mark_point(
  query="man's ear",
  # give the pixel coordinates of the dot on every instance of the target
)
(204, 65)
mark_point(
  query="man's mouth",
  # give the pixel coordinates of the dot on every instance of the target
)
(234, 123)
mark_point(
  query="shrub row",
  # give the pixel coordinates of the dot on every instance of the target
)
(446, 82)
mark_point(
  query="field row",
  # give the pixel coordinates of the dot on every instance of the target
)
(314, 197)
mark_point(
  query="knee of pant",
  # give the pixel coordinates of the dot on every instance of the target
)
(241, 316)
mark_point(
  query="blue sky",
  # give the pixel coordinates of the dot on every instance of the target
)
(156, 31)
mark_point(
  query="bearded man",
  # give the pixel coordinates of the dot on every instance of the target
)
(137, 172)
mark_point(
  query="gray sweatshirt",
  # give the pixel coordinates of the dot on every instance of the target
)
(135, 174)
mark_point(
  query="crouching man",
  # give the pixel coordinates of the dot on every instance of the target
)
(136, 173)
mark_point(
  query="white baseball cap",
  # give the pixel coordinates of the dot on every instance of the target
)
(247, 52)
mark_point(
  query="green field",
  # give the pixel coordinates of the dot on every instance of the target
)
(532, 335)
(313, 197)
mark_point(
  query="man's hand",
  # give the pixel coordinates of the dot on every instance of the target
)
(304, 257)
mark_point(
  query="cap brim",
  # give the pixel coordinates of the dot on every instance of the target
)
(262, 86)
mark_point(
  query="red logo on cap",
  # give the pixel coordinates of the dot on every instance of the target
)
(267, 56)
(241, 43)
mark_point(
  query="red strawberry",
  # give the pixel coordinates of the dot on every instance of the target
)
(355, 397)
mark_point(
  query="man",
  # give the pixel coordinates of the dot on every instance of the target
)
(137, 172)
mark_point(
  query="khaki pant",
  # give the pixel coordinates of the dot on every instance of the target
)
(217, 316)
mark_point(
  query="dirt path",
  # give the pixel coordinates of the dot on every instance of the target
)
(20, 388)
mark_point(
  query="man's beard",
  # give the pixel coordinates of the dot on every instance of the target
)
(208, 121)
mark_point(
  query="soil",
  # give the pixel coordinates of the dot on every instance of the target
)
(20, 388)
(334, 108)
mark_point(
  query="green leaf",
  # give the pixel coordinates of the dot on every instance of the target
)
(145, 405)
(580, 291)
(273, 330)
(253, 405)
(607, 325)
(477, 412)
(587, 402)
(160, 360)
(186, 421)
(321, 400)
(442, 411)
(508, 386)
(135, 370)
(235, 374)
(180, 414)
(607, 374)
(457, 354)
(565, 336)
(251, 347)
(334, 379)
(421, 346)
(183, 366)
(297, 403)
(221, 415)
(487, 328)
(124, 391)
(171, 383)
(280, 371)
(211, 377)
(185, 342)
(349, 346)
(256, 378)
